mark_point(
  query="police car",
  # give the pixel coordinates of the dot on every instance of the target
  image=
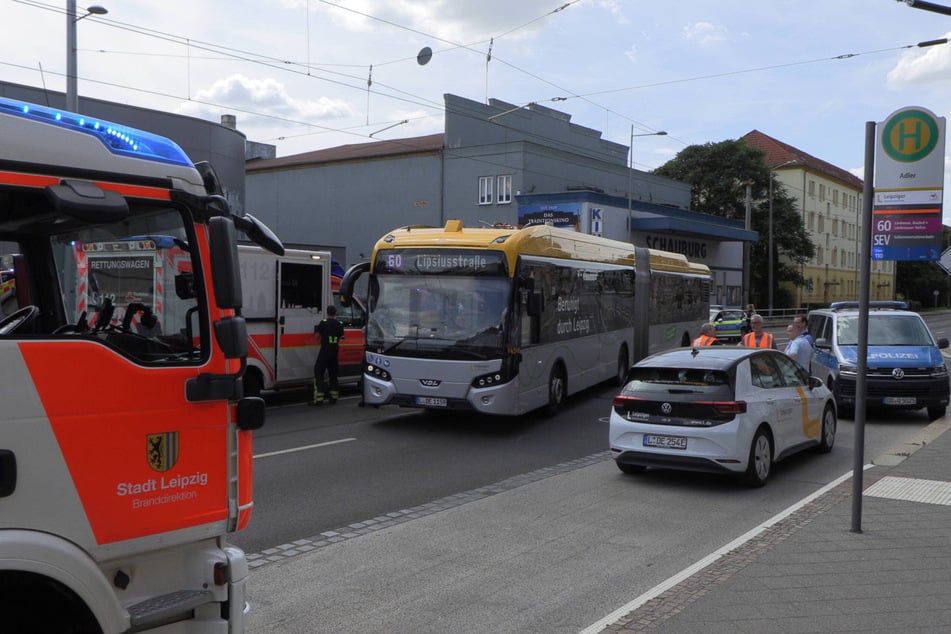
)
(905, 367)
(729, 323)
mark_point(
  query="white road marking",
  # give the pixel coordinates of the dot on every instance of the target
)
(689, 571)
(292, 450)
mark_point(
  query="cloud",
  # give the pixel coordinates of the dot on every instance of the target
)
(262, 95)
(704, 32)
(916, 68)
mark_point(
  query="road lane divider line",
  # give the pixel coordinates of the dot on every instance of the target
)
(304, 448)
(693, 569)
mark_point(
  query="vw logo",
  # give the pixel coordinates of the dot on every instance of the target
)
(430, 382)
(898, 374)
(666, 408)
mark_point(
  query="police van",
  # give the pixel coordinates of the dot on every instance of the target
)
(905, 367)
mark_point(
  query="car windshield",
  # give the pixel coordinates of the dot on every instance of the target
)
(885, 330)
(642, 382)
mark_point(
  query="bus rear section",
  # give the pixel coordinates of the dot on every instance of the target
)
(505, 321)
(125, 441)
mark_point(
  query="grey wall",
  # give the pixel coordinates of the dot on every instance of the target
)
(348, 205)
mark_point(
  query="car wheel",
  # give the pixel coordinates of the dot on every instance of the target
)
(827, 440)
(557, 384)
(622, 367)
(761, 459)
(630, 469)
(936, 412)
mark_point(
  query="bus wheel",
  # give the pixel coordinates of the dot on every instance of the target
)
(557, 386)
(622, 367)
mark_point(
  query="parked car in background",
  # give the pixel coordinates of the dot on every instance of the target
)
(719, 410)
(905, 367)
(729, 323)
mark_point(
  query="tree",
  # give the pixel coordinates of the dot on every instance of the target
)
(718, 174)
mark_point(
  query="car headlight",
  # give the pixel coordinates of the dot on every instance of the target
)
(847, 369)
(939, 371)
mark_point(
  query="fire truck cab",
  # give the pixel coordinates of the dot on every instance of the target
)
(125, 437)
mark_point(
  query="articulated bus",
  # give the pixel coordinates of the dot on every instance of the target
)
(505, 320)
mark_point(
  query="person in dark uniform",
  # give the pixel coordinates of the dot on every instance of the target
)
(331, 332)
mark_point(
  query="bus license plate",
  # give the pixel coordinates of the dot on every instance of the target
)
(667, 442)
(900, 400)
(429, 401)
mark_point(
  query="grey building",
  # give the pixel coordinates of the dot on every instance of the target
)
(494, 163)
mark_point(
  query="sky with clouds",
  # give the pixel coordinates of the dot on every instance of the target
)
(311, 74)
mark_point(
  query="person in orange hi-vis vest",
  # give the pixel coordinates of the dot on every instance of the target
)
(757, 338)
(708, 336)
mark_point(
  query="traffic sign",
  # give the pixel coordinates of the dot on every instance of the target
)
(945, 261)
(909, 186)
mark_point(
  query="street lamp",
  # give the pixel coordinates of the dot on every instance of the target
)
(630, 172)
(72, 98)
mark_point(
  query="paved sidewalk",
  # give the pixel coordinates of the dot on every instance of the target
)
(810, 573)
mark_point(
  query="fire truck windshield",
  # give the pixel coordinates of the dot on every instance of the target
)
(131, 284)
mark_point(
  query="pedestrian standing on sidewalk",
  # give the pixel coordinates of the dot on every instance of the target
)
(798, 347)
(758, 338)
(331, 332)
(748, 316)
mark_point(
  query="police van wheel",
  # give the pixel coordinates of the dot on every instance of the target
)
(936, 412)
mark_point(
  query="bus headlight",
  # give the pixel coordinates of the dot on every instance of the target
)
(376, 372)
(488, 380)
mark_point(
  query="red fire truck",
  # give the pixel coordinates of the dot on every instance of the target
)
(125, 437)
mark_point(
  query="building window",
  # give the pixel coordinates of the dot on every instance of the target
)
(835, 197)
(819, 255)
(505, 189)
(812, 188)
(822, 192)
(812, 220)
(485, 190)
(822, 224)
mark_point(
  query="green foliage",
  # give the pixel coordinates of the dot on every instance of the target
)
(719, 174)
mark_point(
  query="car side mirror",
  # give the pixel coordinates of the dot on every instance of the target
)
(814, 382)
(943, 343)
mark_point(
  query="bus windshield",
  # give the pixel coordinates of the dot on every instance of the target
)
(439, 316)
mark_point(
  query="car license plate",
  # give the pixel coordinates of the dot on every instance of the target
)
(900, 400)
(429, 401)
(667, 442)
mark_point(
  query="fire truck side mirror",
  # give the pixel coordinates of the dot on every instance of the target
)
(185, 285)
(224, 262)
(251, 413)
